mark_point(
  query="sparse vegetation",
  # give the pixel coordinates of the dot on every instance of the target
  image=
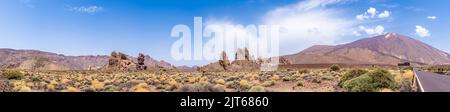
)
(407, 68)
(232, 84)
(97, 86)
(142, 87)
(202, 87)
(243, 84)
(335, 67)
(220, 81)
(167, 81)
(444, 70)
(275, 77)
(300, 83)
(268, 83)
(257, 89)
(13, 74)
(71, 89)
(287, 78)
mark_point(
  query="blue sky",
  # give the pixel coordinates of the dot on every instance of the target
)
(97, 27)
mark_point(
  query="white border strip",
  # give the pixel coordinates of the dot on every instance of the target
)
(418, 80)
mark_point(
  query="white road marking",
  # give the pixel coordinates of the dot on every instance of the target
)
(418, 80)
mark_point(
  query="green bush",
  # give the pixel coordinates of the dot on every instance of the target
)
(407, 68)
(335, 67)
(13, 74)
(382, 78)
(300, 83)
(360, 84)
(351, 74)
(438, 70)
(371, 81)
(257, 89)
(303, 71)
(327, 77)
(268, 83)
(232, 84)
(202, 87)
(111, 88)
(287, 78)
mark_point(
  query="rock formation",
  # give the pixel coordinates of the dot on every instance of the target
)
(242, 54)
(140, 62)
(243, 62)
(224, 62)
(284, 61)
(120, 61)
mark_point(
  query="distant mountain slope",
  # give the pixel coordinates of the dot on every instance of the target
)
(388, 49)
(185, 68)
(39, 60)
(150, 62)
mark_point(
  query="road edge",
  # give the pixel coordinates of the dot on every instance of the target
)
(418, 80)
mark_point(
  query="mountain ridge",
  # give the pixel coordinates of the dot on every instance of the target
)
(390, 49)
(42, 60)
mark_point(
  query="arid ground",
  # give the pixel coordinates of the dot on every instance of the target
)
(306, 80)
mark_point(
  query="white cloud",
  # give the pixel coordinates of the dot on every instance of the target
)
(432, 17)
(312, 4)
(385, 14)
(225, 34)
(362, 17)
(308, 23)
(378, 30)
(356, 33)
(89, 9)
(422, 32)
(372, 11)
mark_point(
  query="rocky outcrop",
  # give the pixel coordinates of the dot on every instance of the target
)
(140, 62)
(120, 61)
(224, 62)
(242, 54)
(284, 61)
(243, 62)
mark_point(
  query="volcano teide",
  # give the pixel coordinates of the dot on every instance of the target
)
(388, 49)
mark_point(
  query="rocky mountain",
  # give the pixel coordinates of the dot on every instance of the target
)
(388, 49)
(39, 60)
(150, 62)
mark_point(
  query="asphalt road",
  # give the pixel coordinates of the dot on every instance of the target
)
(432, 82)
